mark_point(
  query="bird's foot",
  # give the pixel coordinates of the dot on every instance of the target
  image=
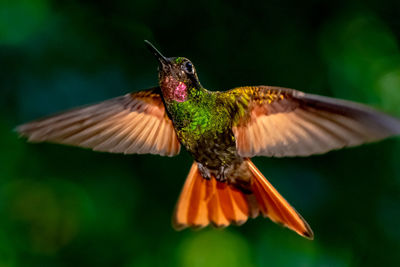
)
(204, 171)
(221, 175)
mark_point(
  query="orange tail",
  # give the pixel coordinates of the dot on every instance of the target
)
(209, 201)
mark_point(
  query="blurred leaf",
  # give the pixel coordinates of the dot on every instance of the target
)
(363, 58)
(45, 215)
(21, 19)
(215, 248)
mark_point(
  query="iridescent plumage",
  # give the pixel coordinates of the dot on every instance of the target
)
(221, 130)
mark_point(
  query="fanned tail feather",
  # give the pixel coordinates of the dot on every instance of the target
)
(205, 201)
(274, 206)
(208, 201)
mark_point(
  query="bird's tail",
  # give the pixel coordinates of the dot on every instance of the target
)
(205, 201)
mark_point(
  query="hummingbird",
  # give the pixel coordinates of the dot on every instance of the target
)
(222, 131)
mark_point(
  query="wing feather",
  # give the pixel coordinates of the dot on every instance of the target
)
(133, 123)
(279, 122)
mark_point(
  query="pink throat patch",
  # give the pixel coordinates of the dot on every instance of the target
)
(174, 90)
(180, 92)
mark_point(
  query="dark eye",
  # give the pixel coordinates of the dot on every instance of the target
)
(189, 67)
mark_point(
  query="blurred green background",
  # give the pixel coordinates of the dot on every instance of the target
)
(65, 206)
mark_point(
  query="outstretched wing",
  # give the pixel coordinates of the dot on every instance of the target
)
(280, 122)
(133, 123)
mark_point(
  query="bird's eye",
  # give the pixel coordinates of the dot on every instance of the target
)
(189, 67)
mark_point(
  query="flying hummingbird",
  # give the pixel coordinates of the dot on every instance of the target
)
(222, 131)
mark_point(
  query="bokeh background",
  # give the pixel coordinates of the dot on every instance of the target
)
(65, 206)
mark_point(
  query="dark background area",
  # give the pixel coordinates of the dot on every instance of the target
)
(65, 206)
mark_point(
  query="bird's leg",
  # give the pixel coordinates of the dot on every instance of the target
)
(221, 174)
(204, 171)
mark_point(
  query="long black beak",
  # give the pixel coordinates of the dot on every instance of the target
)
(163, 60)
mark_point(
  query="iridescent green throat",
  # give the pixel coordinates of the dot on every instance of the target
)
(201, 116)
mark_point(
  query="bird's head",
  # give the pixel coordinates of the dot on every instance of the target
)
(177, 76)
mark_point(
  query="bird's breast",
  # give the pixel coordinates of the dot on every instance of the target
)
(209, 140)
